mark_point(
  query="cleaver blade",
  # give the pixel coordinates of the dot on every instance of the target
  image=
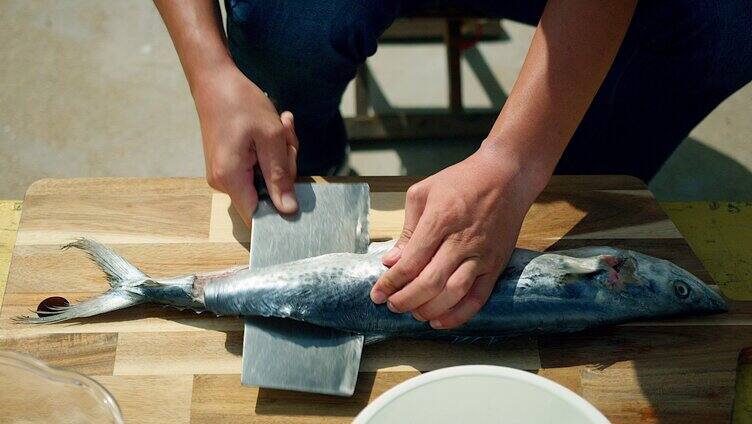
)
(292, 355)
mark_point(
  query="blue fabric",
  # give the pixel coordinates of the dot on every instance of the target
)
(679, 60)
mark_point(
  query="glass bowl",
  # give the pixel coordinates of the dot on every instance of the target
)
(33, 392)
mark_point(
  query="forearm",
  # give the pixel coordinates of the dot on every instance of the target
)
(570, 54)
(195, 27)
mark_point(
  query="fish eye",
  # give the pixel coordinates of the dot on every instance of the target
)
(681, 289)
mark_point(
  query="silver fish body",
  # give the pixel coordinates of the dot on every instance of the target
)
(537, 293)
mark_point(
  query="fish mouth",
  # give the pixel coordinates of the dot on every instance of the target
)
(717, 302)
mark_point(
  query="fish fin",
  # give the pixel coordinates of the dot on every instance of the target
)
(118, 270)
(476, 340)
(374, 338)
(124, 280)
(575, 264)
(380, 247)
(111, 300)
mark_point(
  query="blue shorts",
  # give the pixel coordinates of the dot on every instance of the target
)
(679, 60)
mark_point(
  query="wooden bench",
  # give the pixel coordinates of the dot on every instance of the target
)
(457, 31)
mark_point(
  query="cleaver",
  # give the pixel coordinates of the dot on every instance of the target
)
(292, 355)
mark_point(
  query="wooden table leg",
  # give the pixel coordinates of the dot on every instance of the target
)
(452, 40)
(362, 95)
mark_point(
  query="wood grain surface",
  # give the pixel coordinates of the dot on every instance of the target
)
(165, 365)
(10, 212)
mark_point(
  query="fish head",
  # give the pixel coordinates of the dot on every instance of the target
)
(660, 287)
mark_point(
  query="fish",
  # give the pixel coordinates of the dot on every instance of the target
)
(537, 293)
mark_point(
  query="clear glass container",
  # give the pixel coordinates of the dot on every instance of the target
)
(33, 392)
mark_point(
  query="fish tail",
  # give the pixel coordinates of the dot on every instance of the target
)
(127, 285)
(119, 271)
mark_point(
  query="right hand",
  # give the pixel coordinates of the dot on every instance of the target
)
(239, 128)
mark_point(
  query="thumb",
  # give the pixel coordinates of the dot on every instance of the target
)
(273, 158)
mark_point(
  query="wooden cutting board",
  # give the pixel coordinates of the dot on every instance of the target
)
(164, 365)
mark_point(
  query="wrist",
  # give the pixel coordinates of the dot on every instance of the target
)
(223, 88)
(202, 76)
(522, 168)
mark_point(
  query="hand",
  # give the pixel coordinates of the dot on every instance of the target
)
(460, 228)
(240, 127)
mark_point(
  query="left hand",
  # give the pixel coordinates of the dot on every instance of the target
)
(460, 228)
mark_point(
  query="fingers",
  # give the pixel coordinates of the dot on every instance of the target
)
(273, 158)
(468, 306)
(235, 177)
(429, 283)
(288, 121)
(292, 142)
(415, 203)
(244, 197)
(416, 254)
(457, 286)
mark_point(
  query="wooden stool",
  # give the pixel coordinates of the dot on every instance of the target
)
(457, 32)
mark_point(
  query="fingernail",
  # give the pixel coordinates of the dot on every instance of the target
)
(289, 202)
(392, 308)
(436, 324)
(418, 317)
(378, 297)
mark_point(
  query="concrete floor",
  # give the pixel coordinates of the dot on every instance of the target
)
(91, 88)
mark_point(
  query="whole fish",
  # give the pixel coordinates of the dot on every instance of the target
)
(537, 293)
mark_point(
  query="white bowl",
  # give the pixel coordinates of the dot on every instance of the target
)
(479, 394)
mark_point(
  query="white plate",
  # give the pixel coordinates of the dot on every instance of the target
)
(479, 394)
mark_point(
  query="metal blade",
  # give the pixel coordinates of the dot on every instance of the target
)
(291, 355)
